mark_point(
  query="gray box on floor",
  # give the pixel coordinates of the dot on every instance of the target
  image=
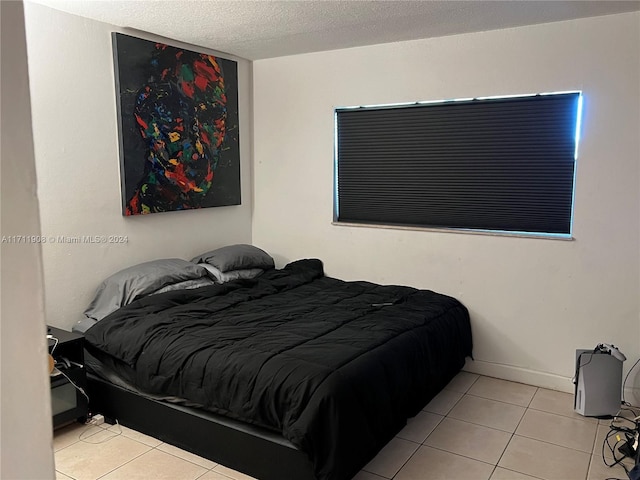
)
(598, 384)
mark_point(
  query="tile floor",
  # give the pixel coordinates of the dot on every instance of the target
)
(477, 428)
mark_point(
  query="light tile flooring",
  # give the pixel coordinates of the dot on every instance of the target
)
(477, 428)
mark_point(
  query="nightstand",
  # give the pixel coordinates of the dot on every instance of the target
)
(68, 403)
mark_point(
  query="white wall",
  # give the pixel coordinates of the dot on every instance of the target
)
(25, 409)
(76, 145)
(532, 301)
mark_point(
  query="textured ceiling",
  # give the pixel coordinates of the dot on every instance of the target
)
(273, 28)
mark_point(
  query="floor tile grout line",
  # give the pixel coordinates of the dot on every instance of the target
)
(477, 425)
(211, 470)
(117, 434)
(589, 467)
(611, 468)
(526, 408)
(473, 383)
(468, 388)
(506, 381)
(381, 476)
(452, 418)
(421, 444)
(472, 458)
(590, 452)
(524, 414)
(482, 425)
(460, 455)
(601, 451)
(207, 470)
(565, 416)
(78, 439)
(189, 461)
(515, 429)
(591, 455)
(452, 406)
(510, 438)
(406, 461)
(532, 397)
(404, 439)
(516, 471)
(493, 471)
(125, 463)
(496, 400)
(69, 476)
(425, 438)
(143, 453)
(511, 382)
(550, 443)
(83, 440)
(595, 457)
(505, 449)
(531, 401)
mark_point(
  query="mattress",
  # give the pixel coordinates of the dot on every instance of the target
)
(335, 367)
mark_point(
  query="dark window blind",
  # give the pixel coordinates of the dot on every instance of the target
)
(502, 164)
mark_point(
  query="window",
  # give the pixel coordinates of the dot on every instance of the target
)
(502, 164)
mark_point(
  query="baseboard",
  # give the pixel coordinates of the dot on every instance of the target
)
(538, 379)
(521, 375)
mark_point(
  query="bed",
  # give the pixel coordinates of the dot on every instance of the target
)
(288, 374)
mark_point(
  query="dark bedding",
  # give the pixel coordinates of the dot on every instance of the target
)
(336, 367)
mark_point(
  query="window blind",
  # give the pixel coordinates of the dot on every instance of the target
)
(504, 164)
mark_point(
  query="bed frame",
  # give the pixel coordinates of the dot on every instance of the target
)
(246, 448)
(264, 453)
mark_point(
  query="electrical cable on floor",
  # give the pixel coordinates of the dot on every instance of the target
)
(625, 382)
(83, 437)
(625, 436)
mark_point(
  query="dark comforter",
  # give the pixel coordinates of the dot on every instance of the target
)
(336, 367)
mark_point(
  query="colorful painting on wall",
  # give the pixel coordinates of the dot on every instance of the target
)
(178, 120)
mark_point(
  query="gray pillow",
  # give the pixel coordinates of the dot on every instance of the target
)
(236, 257)
(223, 277)
(186, 285)
(134, 282)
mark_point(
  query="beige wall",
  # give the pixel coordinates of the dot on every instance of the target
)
(25, 408)
(76, 145)
(532, 301)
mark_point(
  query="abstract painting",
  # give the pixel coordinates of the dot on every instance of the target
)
(178, 125)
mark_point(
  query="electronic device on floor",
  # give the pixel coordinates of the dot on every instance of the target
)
(598, 381)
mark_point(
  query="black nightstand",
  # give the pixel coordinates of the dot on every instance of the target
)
(68, 403)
